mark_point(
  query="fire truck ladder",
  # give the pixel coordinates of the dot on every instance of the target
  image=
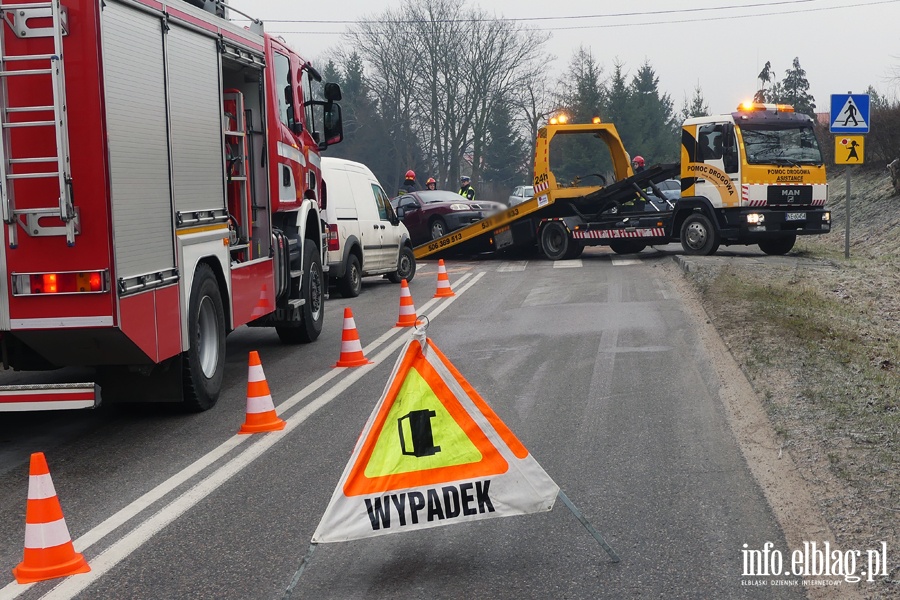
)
(17, 17)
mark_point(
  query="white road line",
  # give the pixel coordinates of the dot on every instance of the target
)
(567, 264)
(621, 262)
(120, 549)
(512, 266)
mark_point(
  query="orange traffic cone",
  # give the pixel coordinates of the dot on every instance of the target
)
(407, 316)
(351, 349)
(261, 415)
(443, 285)
(48, 548)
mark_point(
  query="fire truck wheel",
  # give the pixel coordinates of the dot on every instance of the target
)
(778, 246)
(555, 241)
(406, 266)
(204, 362)
(351, 283)
(312, 290)
(699, 236)
(575, 250)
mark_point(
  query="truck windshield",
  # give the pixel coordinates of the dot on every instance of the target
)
(768, 145)
(578, 157)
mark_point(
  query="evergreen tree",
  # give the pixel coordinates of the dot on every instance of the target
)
(697, 107)
(653, 131)
(505, 150)
(795, 90)
(764, 77)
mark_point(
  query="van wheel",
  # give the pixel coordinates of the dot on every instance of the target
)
(203, 365)
(351, 283)
(312, 290)
(778, 246)
(699, 236)
(406, 266)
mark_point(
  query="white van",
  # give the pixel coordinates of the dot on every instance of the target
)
(365, 237)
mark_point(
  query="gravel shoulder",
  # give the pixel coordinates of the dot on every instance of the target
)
(817, 337)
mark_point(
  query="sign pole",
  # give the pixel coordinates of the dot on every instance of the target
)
(847, 216)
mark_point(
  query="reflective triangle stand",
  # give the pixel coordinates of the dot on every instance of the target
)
(587, 525)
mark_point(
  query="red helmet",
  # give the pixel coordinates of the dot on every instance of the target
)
(430, 181)
(410, 174)
(638, 160)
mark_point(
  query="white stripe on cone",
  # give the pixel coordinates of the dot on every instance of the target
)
(260, 404)
(349, 323)
(350, 346)
(255, 373)
(40, 487)
(46, 535)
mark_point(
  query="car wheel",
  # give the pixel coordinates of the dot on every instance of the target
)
(203, 365)
(699, 236)
(778, 246)
(438, 228)
(350, 284)
(555, 240)
(406, 266)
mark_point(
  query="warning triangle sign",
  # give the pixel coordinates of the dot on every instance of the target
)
(432, 453)
(850, 117)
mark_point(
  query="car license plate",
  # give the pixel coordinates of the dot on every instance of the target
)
(794, 216)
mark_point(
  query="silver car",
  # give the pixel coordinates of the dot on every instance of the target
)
(520, 194)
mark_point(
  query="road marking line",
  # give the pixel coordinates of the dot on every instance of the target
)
(133, 540)
(512, 266)
(621, 262)
(567, 264)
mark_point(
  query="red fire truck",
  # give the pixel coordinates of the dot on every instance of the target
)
(160, 186)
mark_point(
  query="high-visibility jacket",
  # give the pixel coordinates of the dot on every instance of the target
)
(467, 191)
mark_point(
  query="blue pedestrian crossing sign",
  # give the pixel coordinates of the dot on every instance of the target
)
(849, 113)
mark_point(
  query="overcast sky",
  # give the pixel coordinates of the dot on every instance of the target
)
(844, 45)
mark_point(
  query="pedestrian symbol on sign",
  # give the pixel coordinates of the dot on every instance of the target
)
(850, 111)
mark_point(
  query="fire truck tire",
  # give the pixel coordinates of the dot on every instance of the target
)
(312, 290)
(575, 250)
(699, 236)
(778, 246)
(406, 266)
(555, 241)
(626, 247)
(204, 362)
(351, 283)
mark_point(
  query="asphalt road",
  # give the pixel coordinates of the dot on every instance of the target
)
(593, 363)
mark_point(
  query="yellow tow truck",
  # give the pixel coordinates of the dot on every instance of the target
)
(754, 176)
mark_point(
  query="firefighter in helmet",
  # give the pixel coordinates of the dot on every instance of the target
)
(431, 184)
(638, 163)
(465, 187)
(409, 184)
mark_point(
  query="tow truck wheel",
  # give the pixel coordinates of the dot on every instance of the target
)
(406, 266)
(698, 236)
(555, 241)
(351, 283)
(778, 246)
(203, 364)
(626, 247)
(312, 290)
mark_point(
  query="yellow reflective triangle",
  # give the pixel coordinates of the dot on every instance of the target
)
(395, 450)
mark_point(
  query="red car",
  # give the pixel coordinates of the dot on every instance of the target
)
(431, 214)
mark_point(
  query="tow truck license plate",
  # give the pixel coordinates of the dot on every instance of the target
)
(794, 216)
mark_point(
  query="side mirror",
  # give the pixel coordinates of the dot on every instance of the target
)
(333, 124)
(729, 151)
(333, 92)
(296, 128)
(400, 212)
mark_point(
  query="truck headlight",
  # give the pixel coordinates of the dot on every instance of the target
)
(755, 218)
(826, 216)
